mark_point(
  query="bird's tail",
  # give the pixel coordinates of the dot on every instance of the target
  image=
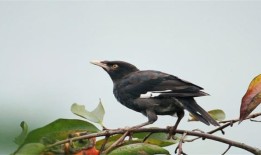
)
(198, 112)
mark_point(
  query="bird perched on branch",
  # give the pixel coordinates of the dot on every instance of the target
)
(154, 93)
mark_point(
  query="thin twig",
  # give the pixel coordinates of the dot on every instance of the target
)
(229, 146)
(253, 120)
(220, 128)
(116, 143)
(180, 144)
(176, 150)
(236, 120)
(146, 137)
(227, 123)
(103, 145)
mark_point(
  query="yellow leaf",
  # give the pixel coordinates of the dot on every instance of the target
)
(216, 114)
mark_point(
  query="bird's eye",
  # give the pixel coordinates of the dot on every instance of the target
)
(114, 66)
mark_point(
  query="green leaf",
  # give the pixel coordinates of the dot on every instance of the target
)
(59, 130)
(139, 149)
(20, 139)
(216, 114)
(110, 141)
(159, 139)
(95, 116)
(31, 149)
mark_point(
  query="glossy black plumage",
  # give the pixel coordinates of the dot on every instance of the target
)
(154, 93)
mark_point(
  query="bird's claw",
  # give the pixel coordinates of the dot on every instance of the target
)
(172, 132)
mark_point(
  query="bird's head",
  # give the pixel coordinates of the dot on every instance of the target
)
(116, 69)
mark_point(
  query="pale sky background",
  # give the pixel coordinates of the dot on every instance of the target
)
(45, 49)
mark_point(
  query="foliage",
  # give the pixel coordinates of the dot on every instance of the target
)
(58, 130)
(95, 116)
(39, 140)
(139, 149)
(252, 98)
(78, 137)
(20, 139)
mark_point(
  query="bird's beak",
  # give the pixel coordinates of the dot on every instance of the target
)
(99, 63)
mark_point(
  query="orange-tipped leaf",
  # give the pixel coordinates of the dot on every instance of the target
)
(251, 99)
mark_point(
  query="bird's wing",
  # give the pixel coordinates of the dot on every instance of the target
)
(147, 84)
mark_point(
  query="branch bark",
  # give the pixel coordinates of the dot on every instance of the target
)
(164, 130)
(208, 135)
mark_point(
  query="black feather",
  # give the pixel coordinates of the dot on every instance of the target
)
(191, 105)
(173, 94)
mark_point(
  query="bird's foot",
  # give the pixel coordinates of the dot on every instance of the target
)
(172, 132)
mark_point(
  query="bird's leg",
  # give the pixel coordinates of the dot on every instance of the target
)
(152, 117)
(173, 129)
(140, 125)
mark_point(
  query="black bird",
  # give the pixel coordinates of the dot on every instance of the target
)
(154, 93)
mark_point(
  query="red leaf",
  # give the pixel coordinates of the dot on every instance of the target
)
(251, 99)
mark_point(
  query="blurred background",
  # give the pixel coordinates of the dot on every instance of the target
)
(45, 49)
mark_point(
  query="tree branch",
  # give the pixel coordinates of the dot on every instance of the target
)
(236, 120)
(179, 147)
(108, 133)
(164, 130)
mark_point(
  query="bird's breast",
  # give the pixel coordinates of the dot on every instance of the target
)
(127, 100)
(120, 96)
